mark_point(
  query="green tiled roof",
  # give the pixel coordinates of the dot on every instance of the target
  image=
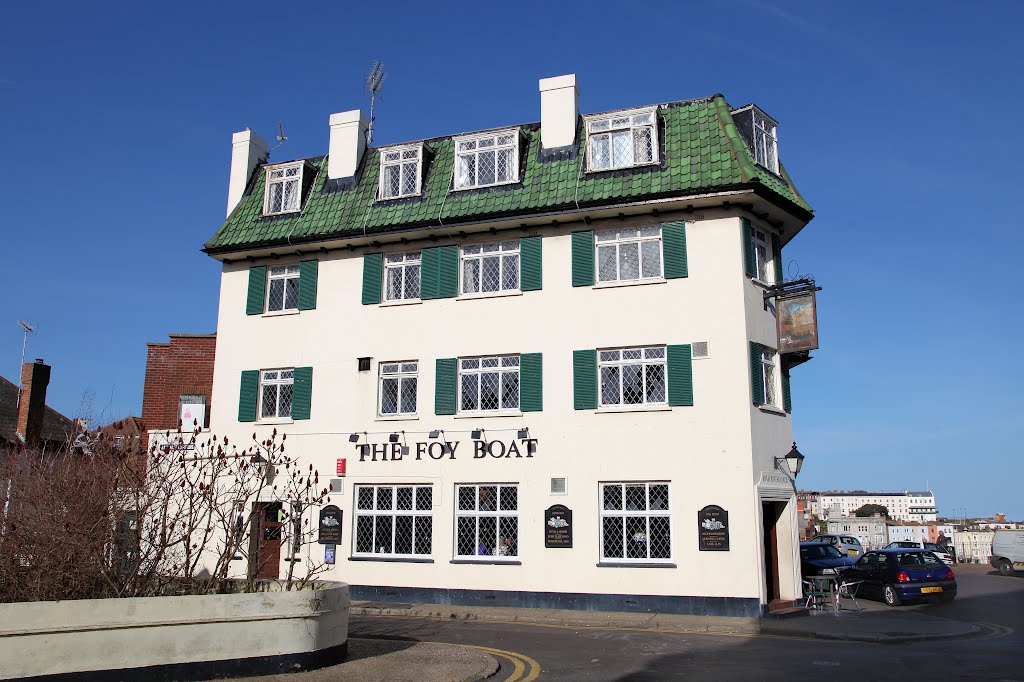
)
(701, 151)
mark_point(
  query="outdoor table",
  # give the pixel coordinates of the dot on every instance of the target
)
(828, 583)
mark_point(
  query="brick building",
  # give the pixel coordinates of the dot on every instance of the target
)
(179, 382)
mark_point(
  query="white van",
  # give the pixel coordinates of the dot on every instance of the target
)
(1008, 551)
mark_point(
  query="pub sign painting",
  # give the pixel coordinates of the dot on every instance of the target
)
(713, 529)
(558, 527)
(797, 323)
(330, 526)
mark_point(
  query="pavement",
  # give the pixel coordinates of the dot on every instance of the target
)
(888, 626)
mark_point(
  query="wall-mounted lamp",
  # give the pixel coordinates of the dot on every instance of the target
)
(353, 438)
(794, 461)
(524, 433)
(435, 433)
(393, 438)
(477, 434)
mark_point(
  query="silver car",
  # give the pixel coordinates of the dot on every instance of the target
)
(846, 544)
(938, 550)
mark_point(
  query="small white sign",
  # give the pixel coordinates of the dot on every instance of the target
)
(192, 414)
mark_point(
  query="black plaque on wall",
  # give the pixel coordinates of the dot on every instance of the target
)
(558, 527)
(713, 529)
(330, 526)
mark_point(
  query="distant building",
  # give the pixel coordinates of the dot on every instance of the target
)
(124, 434)
(973, 546)
(908, 533)
(26, 420)
(902, 506)
(870, 530)
(996, 522)
(179, 383)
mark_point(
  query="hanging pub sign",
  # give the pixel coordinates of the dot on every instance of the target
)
(797, 319)
(713, 529)
(330, 526)
(558, 527)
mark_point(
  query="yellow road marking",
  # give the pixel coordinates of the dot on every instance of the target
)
(994, 631)
(520, 662)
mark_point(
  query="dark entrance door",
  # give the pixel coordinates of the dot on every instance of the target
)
(771, 512)
(265, 544)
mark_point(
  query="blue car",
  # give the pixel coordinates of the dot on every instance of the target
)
(822, 558)
(899, 575)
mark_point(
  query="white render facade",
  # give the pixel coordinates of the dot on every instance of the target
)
(902, 506)
(467, 523)
(871, 530)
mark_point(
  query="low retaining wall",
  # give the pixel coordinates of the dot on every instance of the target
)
(175, 638)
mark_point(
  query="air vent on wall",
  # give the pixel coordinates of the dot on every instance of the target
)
(701, 350)
(558, 486)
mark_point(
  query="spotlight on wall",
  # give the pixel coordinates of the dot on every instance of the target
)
(353, 438)
(524, 433)
(435, 433)
(476, 434)
(393, 438)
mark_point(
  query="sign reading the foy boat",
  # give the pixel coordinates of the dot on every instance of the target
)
(481, 449)
(330, 526)
(558, 527)
(713, 529)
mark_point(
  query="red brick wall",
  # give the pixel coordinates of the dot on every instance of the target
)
(183, 366)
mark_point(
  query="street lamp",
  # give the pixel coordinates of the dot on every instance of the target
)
(794, 462)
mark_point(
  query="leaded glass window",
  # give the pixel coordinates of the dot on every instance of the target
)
(276, 393)
(283, 288)
(401, 276)
(488, 268)
(398, 388)
(400, 172)
(489, 384)
(487, 521)
(768, 377)
(394, 520)
(628, 254)
(636, 522)
(483, 160)
(621, 140)
(632, 376)
(284, 189)
(766, 142)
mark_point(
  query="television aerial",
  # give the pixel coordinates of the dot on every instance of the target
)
(281, 137)
(374, 87)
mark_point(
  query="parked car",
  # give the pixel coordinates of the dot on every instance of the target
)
(899, 575)
(847, 544)
(821, 558)
(1008, 551)
(942, 552)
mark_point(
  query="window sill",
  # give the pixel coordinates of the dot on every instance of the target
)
(761, 283)
(610, 169)
(771, 409)
(634, 408)
(629, 283)
(280, 313)
(488, 562)
(489, 294)
(267, 214)
(484, 415)
(400, 301)
(396, 198)
(392, 560)
(272, 422)
(493, 184)
(397, 418)
(629, 564)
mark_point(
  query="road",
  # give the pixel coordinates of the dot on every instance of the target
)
(566, 653)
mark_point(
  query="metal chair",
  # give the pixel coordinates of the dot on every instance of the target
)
(816, 593)
(847, 590)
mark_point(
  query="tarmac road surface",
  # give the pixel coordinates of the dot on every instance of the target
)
(572, 653)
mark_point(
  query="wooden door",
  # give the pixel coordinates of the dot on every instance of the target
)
(266, 537)
(770, 514)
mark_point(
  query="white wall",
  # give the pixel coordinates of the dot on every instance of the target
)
(713, 453)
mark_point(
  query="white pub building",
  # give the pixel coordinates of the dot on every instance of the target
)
(544, 353)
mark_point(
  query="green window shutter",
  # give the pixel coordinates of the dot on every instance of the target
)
(257, 290)
(680, 375)
(247, 395)
(447, 271)
(531, 389)
(444, 385)
(584, 379)
(307, 284)
(749, 264)
(673, 241)
(787, 402)
(777, 257)
(756, 374)
(531, 277)
(582, 259)
(428, 274)
(302, 392)
(373, 274)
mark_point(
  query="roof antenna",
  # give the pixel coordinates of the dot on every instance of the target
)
(28, 328)
(281, 137)
(374, 87)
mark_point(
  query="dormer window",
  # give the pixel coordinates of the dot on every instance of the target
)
(622, 140)
(766, 142)
(485, 160)
(284, 188)
(400, 172)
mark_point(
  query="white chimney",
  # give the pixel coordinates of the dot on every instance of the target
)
(348, 142)
(247, 151)
(559, 109)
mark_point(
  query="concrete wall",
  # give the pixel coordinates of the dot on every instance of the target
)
(175, 636)
(719, 451)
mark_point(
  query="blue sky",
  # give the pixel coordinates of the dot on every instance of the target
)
(898, 123)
